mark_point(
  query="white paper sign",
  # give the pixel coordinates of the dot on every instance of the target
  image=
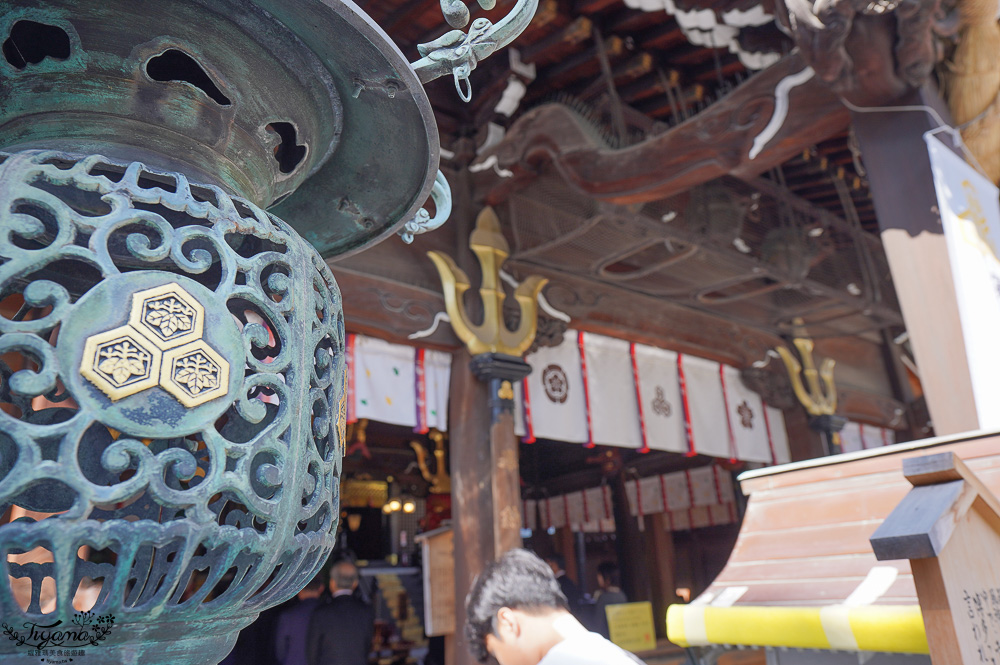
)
(970, 214)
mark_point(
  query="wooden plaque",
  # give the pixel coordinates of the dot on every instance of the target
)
(438, 549)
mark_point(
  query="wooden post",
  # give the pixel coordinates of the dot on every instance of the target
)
(506, 478)
(471, 488)
(485, 473)
(565, 545)
(628, 541)
(486, 483)
(903, 190)
(661, 563)
(948, 526)
(449, 650)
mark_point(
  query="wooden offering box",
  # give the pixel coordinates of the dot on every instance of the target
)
(948, 526)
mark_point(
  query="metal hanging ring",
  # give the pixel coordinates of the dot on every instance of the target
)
(462, 74)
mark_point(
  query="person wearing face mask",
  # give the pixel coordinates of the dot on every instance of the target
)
(517, 614)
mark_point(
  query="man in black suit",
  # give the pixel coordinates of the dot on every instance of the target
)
(341, 631)
(569, 588)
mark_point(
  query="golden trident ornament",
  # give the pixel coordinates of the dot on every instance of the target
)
(815, 401)
(492, 336)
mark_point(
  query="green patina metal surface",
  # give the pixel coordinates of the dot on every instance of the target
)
(193, 517)
(306, 106)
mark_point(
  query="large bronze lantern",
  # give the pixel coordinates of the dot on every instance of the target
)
(172, 374)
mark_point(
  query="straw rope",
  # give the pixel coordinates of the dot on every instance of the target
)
(972, 82)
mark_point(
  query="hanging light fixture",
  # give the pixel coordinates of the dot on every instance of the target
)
(401, 504)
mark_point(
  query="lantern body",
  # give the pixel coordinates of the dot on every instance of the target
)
(172, 427)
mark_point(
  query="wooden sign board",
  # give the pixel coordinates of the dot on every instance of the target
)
(630, 626)
(438, 548)
(948, 526)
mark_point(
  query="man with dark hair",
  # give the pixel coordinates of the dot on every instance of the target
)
(609, 593)
(557, 562)
(516, 613)
(341, 631)
(293, 624)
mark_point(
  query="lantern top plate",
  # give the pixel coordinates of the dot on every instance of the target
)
(307, 107)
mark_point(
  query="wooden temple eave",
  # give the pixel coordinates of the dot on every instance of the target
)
(715, 142)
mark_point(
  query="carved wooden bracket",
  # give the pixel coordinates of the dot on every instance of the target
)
(870, 53)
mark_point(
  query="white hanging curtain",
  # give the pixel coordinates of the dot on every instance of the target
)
(774, 420)
(397, 384)
(660, 391)
(610, 386)
(437, 378)
(593, 389)
(555, 402)
(707, 407)
(746, 418)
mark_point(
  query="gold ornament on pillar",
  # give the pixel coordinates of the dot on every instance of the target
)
(440, 480)
(810, 393)
(491, 336)
(972, 82)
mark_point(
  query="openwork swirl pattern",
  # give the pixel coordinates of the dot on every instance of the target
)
(171, 395)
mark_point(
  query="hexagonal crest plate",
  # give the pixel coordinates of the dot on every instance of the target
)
(120, 362)
(194, 374)
(168, 315)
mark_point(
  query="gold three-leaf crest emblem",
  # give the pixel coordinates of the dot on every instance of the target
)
(161, 345)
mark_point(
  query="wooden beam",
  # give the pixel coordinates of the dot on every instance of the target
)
(406, 13)
(649, 464)
(574, 34)
(628, 20)
(592, 6)
(687, 54)
(662, 37)
(623, 73)
(808, 190)
(659, 106)
(728, 66)
(547, 12)
(584, 63)
(648, 85)
(918, 257)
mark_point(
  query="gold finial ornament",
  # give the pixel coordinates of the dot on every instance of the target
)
(814, 400)
(440, 480)
(492, 336)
